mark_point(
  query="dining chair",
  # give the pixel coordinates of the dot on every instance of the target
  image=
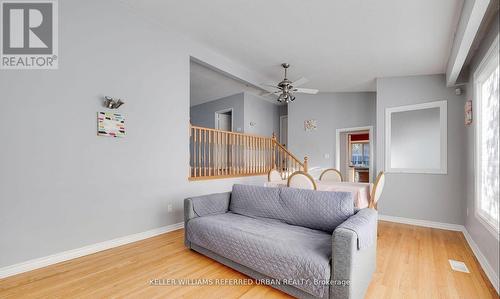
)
(377, 189)
(331, 175)
(274, 176)
(301, 180)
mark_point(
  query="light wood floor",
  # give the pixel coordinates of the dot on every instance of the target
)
(412, 262)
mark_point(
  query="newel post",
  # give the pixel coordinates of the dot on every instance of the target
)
(305, 163)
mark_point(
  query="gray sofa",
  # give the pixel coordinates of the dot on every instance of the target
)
(309, 244)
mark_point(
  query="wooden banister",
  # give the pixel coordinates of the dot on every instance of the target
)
(223, 154)
(284, 149)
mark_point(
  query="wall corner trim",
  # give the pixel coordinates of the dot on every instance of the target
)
(82, 251)
(487, 268)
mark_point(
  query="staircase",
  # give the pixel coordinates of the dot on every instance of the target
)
(218, 154)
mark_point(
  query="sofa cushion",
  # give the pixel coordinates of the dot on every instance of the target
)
(268, 246)
(257, 201)
(323, 210)
(313, 209)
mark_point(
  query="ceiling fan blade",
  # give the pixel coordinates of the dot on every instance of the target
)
(306, 90)
(269, 85)
(299, 82)
(270, 93)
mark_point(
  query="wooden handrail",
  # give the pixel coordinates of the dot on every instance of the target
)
(228, 132)
(290, 154)
(223, 154)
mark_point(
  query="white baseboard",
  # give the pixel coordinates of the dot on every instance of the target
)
(86, 250)
(492, 276)
(425, 223)
(483, 261)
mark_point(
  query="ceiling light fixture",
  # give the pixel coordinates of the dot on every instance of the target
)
(287, 88)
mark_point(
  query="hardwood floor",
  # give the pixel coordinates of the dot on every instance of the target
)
(412, 262)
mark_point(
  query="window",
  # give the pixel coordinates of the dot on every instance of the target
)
(360, 154)
(487, 169)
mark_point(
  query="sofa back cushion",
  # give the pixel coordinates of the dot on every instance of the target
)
(255, 201)
(322, 210)
(318, 210)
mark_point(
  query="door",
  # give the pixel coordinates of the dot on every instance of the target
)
(222, 152)
(223, 121)
(284, 130)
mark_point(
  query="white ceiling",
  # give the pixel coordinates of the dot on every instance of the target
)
(339, 45)
(207, 85)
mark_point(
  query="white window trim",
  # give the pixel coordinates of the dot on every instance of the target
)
(487, 63)
(443, 121)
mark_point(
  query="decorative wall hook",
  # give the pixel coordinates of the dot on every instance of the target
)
(111, 103)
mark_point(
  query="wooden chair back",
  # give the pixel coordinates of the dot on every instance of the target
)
(377, 189)
(331, 175)
(301, 180)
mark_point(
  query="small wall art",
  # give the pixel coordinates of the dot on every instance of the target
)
(468, 112)
(110, 124)
(310, 125)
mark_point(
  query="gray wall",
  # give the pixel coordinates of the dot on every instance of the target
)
(247, 108)
(486, 242)
(203, 115)
(61, 186)
(423, 196)
(264, 114)
(332, 111)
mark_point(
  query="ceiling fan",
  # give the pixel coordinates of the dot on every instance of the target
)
(287, 88)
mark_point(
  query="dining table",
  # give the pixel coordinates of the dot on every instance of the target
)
(360, 191)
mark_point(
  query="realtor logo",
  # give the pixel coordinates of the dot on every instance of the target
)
(29, 35)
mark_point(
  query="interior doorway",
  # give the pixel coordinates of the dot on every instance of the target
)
(354, 153)
(224, 120)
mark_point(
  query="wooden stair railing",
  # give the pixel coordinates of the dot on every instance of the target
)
(222, 154)
(285, 162)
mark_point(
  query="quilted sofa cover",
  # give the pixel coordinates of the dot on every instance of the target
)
(287, 234)
(268, 246)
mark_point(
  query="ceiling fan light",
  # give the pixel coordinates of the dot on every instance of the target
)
(286, 88)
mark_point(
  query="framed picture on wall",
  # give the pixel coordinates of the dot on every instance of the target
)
(110, 124)
(310, 125)
(468, 112)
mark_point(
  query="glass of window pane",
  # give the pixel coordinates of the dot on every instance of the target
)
(356, 153)
(366, 154)
(489, 143)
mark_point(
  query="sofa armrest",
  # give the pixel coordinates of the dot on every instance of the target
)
(205, 205)
(352, 268)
